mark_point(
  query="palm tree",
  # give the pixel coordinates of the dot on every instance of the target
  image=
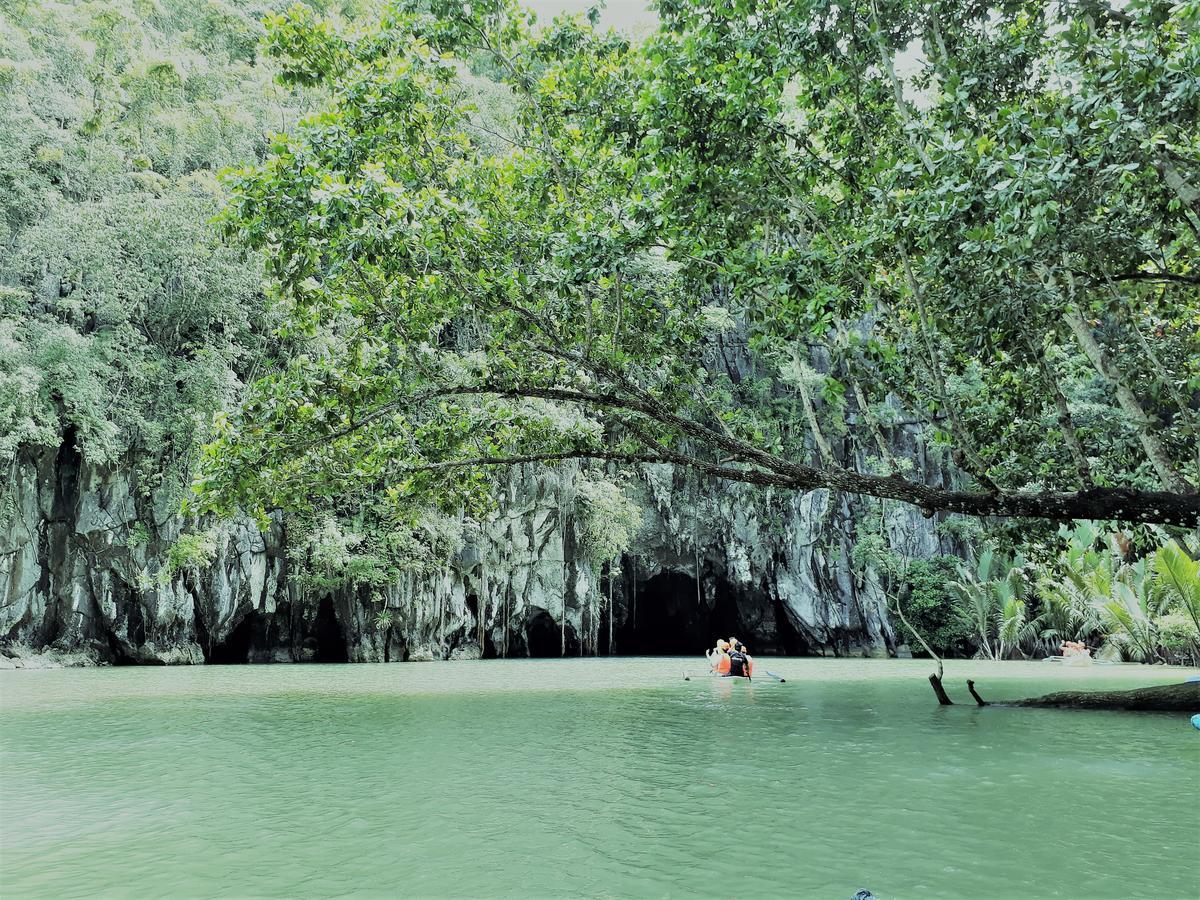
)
(992, 605)
(977, 603)
(1123, 598)
(1131, 611)
(1014, 629)
(1134, 608)
(1180, 576)
(1068, 613)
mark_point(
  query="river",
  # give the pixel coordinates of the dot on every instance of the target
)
(593, 777)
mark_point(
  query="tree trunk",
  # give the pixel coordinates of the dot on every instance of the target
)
(610, 609)
(939, 691)
(1191, 419)
(482, 605)
(979, 701)
(935, 678)
(1162, 698)
(1066, 422)
(824, 450)
(1183, 189)
(1129, 402)
(562, 625)
(885, 61)
(885, 452)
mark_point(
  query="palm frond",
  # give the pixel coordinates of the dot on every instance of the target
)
(1180, 576)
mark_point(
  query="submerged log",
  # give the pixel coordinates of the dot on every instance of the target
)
(1162, 698)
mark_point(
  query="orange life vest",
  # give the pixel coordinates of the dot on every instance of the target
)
(723, 664)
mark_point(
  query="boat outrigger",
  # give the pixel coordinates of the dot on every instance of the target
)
(687, 676)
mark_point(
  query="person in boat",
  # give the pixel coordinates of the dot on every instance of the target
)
(1074, 648)
(720, 647)
(741, 663)
(718, 657)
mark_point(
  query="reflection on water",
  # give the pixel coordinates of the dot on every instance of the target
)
(588, 777)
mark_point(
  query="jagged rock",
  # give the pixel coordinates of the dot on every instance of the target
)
(186, 653)
(21, 656)
(82, 558)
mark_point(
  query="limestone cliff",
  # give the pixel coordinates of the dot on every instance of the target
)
(83, 574)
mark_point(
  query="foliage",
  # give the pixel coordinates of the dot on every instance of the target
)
(139, 535)
(1180, 575)
(1133, 608)
(979, 239)
(992, 605)
(124, 322)
(1130, 609)
(609, 519)
(190, 552)
(755, 244)
(929, 604)
(1178, 638)
(369, 550)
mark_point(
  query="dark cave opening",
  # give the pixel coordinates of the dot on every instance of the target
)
(331, 641)
(235, 649)
(672, 621)
(790, 642)
(544, 635)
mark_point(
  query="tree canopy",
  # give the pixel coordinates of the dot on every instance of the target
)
(754, 244)
(124, 321)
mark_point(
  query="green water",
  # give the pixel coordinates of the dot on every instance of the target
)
(599, 778)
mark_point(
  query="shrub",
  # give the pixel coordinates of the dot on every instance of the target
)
(930, 606)
(189, 552)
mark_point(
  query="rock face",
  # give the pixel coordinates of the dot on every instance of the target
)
(84, 575)
(81, 568)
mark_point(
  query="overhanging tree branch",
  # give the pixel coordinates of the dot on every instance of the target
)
(1125, 504)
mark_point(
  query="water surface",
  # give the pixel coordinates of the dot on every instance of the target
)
(599, 778)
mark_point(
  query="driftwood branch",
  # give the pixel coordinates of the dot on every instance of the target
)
(978, 700)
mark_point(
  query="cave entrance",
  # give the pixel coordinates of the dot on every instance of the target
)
(331, 642)
(235, 649)
(544, 635)
(672, 621)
